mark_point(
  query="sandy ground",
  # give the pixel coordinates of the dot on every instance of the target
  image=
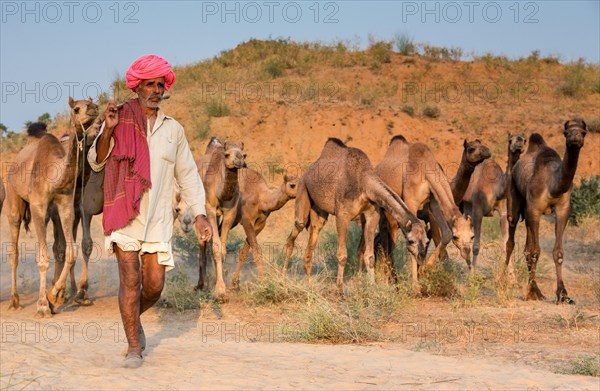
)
(81, 348)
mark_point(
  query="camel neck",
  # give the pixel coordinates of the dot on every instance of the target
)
(566, 172)
(230, 184)
(274, 199)
(460, 182)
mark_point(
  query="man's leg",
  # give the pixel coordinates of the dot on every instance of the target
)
(153, 281)
(130, 280)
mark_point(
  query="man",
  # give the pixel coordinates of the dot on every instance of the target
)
(143, 151)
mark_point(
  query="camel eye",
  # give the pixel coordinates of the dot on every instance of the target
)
(471, 150)
(293, 185)
(244, 155)
(76, 110)
(411, 242)
(177, 210)
(227, 155)
(455, 237)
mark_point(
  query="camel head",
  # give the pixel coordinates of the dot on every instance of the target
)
(182, 213)
(290, 184)
(462, 236)
(416, 240)
(83, 113)
(516, 143)
(475, 152)
(575, 131)
(235, 157)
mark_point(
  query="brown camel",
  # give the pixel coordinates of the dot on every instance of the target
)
(474, 153)
(343, 183)
(486, 192)
(218, 169)
(83, 211)
(257, 202)
(44, 173)
(412, 171)
(541, 181)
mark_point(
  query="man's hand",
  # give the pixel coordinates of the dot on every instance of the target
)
(110, 117)
(203, 228)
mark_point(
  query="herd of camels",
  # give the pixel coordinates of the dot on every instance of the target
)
(407, 191)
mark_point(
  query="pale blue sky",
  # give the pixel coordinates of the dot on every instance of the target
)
(51, 49)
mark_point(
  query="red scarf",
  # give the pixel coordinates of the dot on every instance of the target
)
(127, 171)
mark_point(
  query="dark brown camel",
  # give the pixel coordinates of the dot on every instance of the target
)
(541, 181)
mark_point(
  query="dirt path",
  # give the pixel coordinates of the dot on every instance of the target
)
(81, 348)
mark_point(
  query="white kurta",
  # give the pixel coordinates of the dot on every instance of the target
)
(170, 161)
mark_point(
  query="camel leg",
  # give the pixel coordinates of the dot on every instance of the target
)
(38, 214)
(302, 211)
(341, 222)
(532, 254)
(562, 218)
(235, 280)
(388, 232)
(58, 247)
(76, 220)
(503, 221)
(86, 248)
(361, 244)
(217, 254)
(515, 205)
(445, 231)
(477, 218)
(16, 209)
(369, 226)
(65, 210)
(317, 222)
(202, 258)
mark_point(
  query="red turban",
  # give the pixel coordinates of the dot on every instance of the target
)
(149, 66)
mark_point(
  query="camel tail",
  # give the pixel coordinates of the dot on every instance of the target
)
(382, 195)
(26, 216)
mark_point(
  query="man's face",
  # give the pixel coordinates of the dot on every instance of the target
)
(150, 92)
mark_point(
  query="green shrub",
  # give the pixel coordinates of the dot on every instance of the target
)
(274, 68)
(408, 110)
(179, 293)
(593, 125)
(585, 200)
(186, 245)
(432, 111)
(404, 44)
(217, 108)
(380, 51)
(574, 79)
(588, 366)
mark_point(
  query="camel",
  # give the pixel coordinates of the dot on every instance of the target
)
(343, 183)
(412, 171)
(540, 182)
(44, 173)
(218, 169)
(486, 192)
(84, 204)
(256, 204)
(474, 153)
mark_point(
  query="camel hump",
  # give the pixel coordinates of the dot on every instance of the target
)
(213, 144)
(37, 129)
(420, 150)
(335, 141)
(398, 138)
(535, 142)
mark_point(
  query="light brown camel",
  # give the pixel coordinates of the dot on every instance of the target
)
(412, 171)
(83, 210)
(218, 169)
(486, 192)
(343, 183)
(44, 173)
(541, 181)
(257, 203)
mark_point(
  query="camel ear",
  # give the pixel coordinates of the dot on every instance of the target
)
(469, 219)
(90, 99)
(242, 145)
(285, 178)
(465, 143)
(584, 125)
(453, 220)
(408, 225)
(567, 124)
(225, 145)
(71, 102)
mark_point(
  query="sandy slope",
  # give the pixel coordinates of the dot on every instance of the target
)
(81, 348)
